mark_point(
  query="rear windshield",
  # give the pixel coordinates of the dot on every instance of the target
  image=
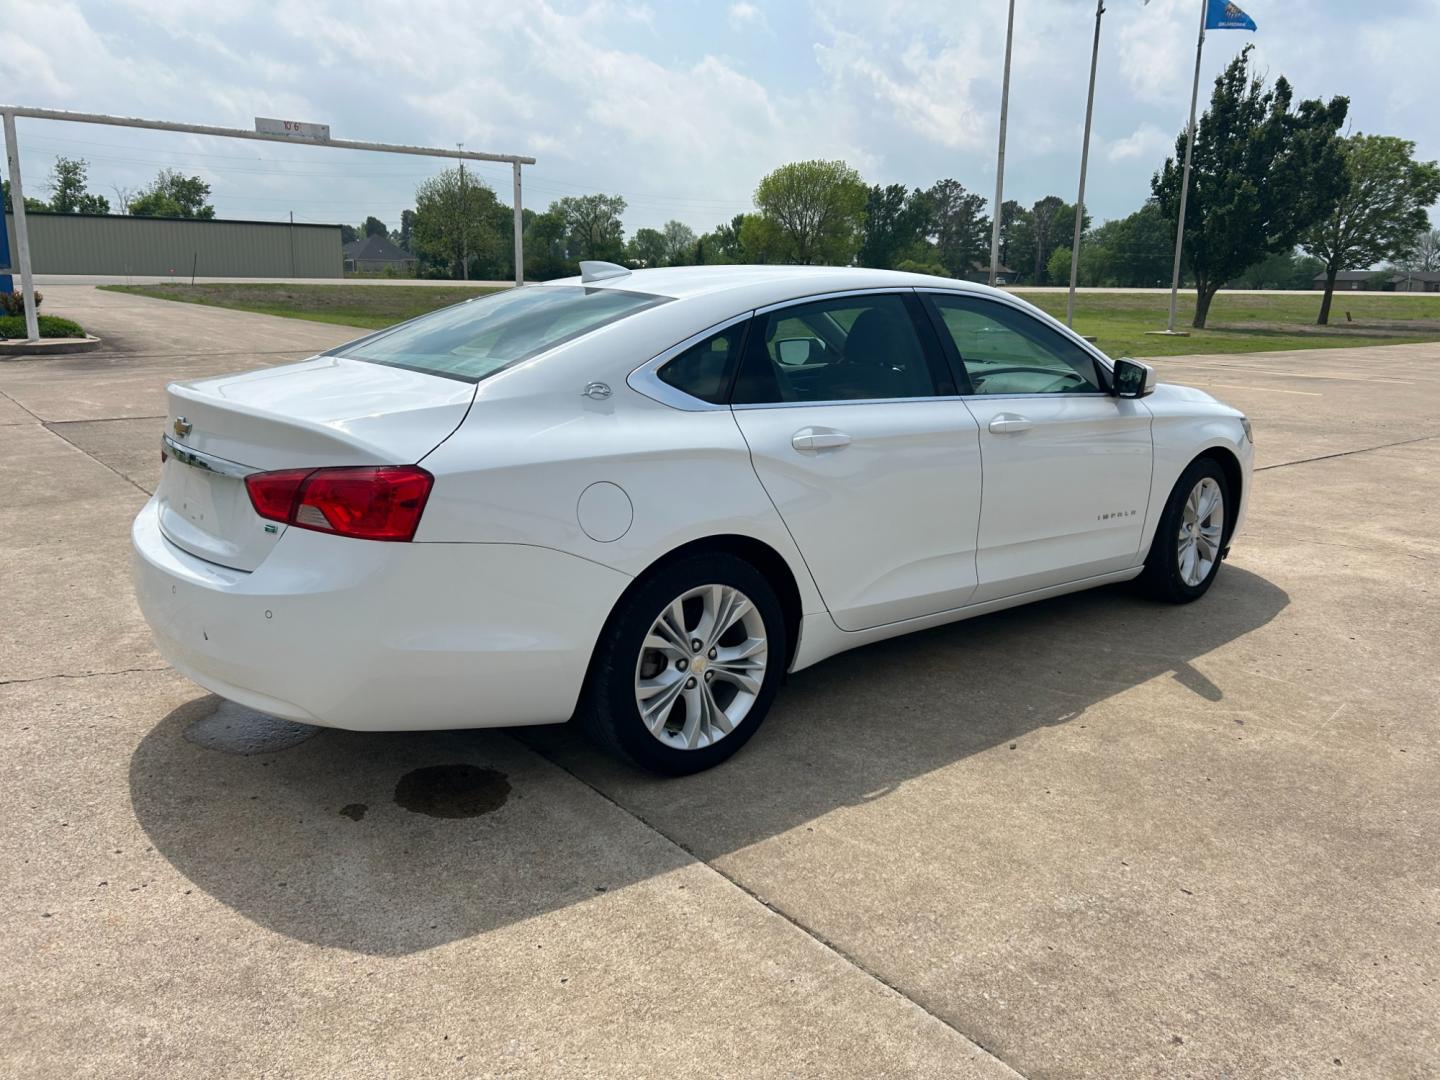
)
(479, 337)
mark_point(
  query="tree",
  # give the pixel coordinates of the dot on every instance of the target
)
(895, 226)
(455, 222)
(594, 225)
(722, 244)
(403, 236)
(817, 210)
(68, 194)
(30, 204)
(374, 227)
(679, 243)
(761, 240)
(174, 195)
(547, 246)
(1057, 267)
(1010, 213)
(1385, 204)
(348, 234)
(1423, 255)
(646, 248)
(1281, 270)
(959, 226)
(1263, 174)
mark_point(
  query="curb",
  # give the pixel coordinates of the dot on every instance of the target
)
(16, 350)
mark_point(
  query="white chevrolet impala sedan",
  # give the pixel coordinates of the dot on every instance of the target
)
(639, 499)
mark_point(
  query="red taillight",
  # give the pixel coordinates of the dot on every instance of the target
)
(367, 502)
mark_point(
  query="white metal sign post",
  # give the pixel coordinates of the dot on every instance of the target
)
(266, 130)
(22, 232)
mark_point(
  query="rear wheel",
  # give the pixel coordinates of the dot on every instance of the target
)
(688, 665)
(1185, 554)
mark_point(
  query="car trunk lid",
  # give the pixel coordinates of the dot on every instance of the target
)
(328, 411)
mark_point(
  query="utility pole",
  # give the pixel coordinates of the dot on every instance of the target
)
(519, 230)
(1000, 156)
(464, 231)
(1084, 161)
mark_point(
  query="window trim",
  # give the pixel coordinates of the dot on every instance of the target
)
(645, 379)
(1104, 366)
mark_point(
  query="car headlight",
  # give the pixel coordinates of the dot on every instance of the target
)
(1249, 435)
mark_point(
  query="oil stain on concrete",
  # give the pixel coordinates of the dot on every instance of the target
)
(452, 791)
(234, 729)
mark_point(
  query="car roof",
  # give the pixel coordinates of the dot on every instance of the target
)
(766, 284)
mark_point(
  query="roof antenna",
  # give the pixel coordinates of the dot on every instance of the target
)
(594, 270)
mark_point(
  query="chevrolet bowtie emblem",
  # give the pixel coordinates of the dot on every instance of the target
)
(182, 427)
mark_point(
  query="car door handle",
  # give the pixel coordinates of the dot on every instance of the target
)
(1009, 423)
(811, 439)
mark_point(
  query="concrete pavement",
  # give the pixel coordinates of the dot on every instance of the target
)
(1095, 837)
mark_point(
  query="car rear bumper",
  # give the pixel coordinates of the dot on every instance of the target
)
(380, 636)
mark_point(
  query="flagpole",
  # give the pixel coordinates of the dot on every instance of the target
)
(1185, 182)
(1084, 161)
(1000, 156)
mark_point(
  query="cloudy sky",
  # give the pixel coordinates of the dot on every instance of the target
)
(679, 105)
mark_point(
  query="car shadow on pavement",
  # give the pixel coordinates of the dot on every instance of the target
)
(394, 843)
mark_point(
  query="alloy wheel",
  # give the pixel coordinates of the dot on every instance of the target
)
(701, 666)
(1202, 523)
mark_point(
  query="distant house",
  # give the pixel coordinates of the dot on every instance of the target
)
(376, 255)
(1003, 274)
(1348, 281)
(1416, 281)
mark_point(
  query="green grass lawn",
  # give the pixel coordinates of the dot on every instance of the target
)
(1245, 322)
(1118, 321)
(370, 306)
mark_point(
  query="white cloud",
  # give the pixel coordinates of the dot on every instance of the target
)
(1147, 142)
(746, 16)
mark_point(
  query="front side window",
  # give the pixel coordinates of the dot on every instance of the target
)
(480, 337)
(1005, 351)
(850, 348)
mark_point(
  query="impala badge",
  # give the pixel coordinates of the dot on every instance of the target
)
(182, 427)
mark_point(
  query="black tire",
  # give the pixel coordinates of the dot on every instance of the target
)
(608, 709)
(1161, 578)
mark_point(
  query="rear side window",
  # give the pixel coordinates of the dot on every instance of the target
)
(706, 370)
(851, 348)
(480, 337)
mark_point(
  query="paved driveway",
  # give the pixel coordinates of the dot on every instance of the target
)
(1093, 837)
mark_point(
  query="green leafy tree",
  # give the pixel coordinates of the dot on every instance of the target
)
(896, 223)
(1057, 267)
(1010, 214)
(679, 243)
(1385, 203)
(761, 240)
(594, 225)
(174, 195)
(1263, 174)
(646, 248)
(817, 209)
(722, 244)
(547, 246)
(403, 237)
(959, 226)
(68, 189)
(348, 234)
(30, 204)
(375, 227)
(455, 222)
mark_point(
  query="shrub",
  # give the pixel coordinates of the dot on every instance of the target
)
(915, 266)
(51, 326)
(13, 303)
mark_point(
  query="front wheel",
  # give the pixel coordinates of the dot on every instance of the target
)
(1185, 554)
(687, 666)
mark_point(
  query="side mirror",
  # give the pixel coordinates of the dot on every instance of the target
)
(1132, 379)
(794, 352)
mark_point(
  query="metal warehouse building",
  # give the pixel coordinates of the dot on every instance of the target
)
(114, 244)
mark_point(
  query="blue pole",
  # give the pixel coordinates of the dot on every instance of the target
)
(7, 283)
